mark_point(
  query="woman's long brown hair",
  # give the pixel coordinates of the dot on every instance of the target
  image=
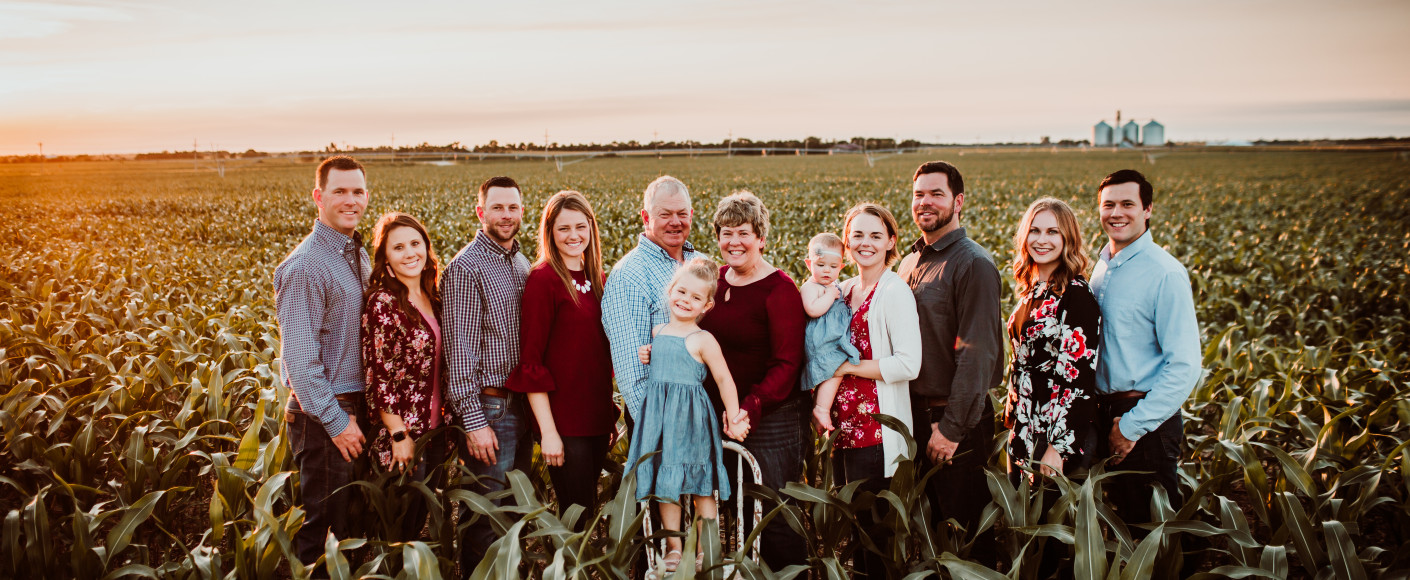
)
(1072, 263)
(548, 251)
(383, 279)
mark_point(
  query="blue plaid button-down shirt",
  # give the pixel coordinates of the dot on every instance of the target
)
(480, 294)
(634, 302)
(318, 301)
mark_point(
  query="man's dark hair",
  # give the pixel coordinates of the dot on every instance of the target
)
(339, 162)
(1132, 176)
(952, 174)
(497, 181)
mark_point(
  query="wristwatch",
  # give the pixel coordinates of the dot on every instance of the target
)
(399, 436)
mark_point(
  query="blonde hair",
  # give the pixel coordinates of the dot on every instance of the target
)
(739, 208)
(825, 241)
(703, 269)
(1071, 263)
(882, 214)
(548, 251)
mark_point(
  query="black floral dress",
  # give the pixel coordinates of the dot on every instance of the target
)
(1052, 381)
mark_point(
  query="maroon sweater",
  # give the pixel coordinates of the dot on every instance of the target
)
(563, 351)
(760, 329)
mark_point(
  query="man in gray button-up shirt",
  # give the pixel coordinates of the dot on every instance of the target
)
(956, 285)
(318, 299)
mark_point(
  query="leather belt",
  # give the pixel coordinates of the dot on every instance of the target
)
(352, 398)
(1121, 396)
(933, 402)
(497, 392)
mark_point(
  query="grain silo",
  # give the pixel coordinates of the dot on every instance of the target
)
(1101, 135)
(1131, 133)
(1155, 134)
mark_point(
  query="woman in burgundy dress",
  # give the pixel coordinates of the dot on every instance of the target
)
(565, 364)
(401, 352)
(758, 319)
(885, 328)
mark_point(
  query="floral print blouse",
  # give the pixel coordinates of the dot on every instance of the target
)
(856, 396)
(1052, 380)
(400, 355)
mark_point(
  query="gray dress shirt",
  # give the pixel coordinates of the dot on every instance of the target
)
(962, 341)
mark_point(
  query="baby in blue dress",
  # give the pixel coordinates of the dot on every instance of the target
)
(826, 341)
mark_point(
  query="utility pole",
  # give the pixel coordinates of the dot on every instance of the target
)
(195, 156)
(729, 144)
(41, 157)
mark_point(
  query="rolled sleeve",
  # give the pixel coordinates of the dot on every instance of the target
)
(1177, 337)
(978, 348)
(300, 312)
(462, 307)
(626, 317)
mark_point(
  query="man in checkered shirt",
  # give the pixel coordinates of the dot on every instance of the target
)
(480, 292)
(633, 301)
(318, 301)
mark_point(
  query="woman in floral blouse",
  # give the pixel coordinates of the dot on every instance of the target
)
(401, 352)
(1054, 332)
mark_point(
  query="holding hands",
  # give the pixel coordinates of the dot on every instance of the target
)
(737, 429)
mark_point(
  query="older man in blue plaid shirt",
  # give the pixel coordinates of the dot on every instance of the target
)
(633, 302)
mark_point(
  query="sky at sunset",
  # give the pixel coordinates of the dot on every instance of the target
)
(131, 76)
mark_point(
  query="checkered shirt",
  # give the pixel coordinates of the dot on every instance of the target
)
(634, 302)
(318, 301)
(480, 292)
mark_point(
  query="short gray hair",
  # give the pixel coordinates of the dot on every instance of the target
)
(664, 185)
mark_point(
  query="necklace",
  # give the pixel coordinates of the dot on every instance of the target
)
(585, 287)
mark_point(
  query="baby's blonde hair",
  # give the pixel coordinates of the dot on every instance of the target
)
(703, 269)
(825, 241)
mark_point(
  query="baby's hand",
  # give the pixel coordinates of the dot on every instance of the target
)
(822, 419)
(644, 354)
(832, 291)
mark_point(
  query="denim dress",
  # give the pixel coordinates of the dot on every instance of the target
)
(826, 344)
(678, 420)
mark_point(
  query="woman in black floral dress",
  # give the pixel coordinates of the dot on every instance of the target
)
(1055, 332)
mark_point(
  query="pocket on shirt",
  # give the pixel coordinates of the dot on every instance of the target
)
(936, 299)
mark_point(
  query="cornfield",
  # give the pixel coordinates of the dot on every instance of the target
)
(141, 404)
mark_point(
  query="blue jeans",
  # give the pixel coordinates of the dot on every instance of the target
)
(509, 420)
(328, 507)
(778, 443)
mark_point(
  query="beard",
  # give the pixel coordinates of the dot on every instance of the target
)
(493, 232)
(943, 217)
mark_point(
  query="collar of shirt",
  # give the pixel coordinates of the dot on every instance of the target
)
(1127, 253)
(940, 244)
(333, 240)
(485, 243)
(656, 250)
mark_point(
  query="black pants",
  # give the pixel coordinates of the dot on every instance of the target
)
(1157, 452)
(777, 442)
(960, 489)
(322, 470)
(575, 482)
(868, 463)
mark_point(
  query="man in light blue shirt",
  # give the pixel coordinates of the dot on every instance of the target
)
(633, 301)
(1150, 350)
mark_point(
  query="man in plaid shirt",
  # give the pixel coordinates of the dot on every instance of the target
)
(633, 301)
(318, 301)
(480, 292)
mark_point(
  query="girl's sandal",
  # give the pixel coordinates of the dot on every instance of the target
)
(671, 561)
(699, 561)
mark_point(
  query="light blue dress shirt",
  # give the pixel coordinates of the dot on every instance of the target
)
(1150, 338)
(633, 302)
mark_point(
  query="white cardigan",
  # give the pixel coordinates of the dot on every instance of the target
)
(894, 328)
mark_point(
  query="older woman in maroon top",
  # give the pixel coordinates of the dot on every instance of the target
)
(758, 318)
(565, 364)
(401, 352)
